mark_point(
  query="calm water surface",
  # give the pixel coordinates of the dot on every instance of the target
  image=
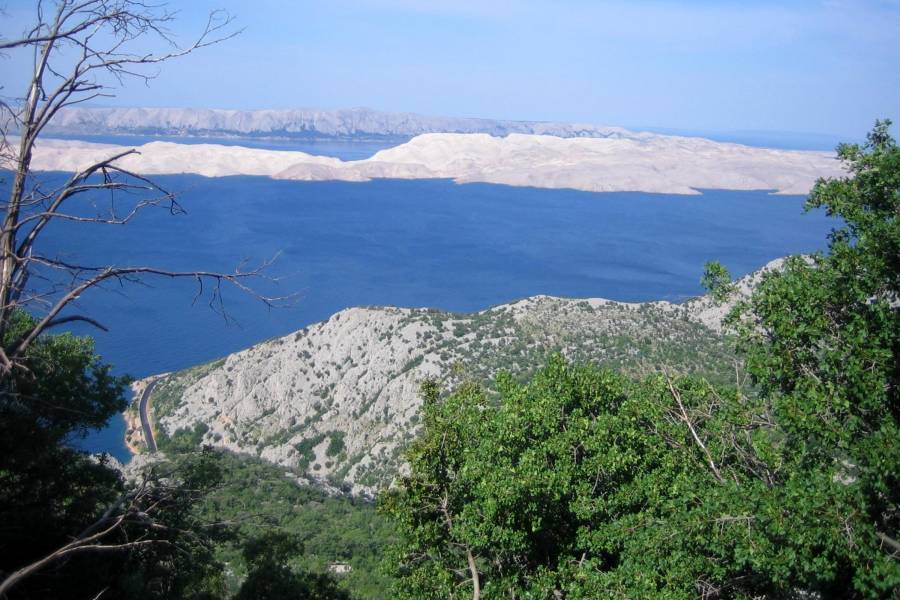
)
(406, 243)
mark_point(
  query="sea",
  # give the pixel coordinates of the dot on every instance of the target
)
(426, 243)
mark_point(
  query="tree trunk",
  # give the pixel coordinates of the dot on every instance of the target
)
(476, 581)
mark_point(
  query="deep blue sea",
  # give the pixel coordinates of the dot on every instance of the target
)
(405, 243)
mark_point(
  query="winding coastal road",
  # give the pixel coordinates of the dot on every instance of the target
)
(145, 421)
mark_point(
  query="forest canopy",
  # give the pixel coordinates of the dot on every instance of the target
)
(585, 484)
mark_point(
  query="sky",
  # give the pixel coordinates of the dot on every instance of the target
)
(818, 66)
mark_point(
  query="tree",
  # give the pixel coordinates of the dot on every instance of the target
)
(581, 484)
(717, 281)
(48, 489)
(141, 539)
(82, 50)
(60, 506)
(428, 511)
(584, 484)
(270, 576)
(822, 342)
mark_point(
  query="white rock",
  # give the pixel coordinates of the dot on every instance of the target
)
(640, 163)
(357, 375)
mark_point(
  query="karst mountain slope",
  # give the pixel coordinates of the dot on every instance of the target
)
(335, 403)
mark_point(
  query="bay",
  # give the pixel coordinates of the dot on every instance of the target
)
(405, 243)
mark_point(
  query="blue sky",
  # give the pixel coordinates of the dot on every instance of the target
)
(825, 66)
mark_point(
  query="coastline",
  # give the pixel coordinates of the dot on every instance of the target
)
(134, 433)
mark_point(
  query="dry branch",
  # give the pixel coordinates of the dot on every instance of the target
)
(82, 50)
(687, 420)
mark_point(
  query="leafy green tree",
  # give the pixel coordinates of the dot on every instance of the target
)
(717, 281)
(441, 553)
(585, 484)
(64, 513)
(580, 484)
(272, 578)
(821, 339)
(48, 491)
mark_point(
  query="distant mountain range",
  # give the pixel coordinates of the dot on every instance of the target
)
(307, 124)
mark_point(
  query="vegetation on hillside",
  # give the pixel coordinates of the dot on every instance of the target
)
(319, 375)
(583, 483)
(328, 530)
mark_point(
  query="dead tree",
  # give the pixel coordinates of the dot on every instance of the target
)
(83, 50)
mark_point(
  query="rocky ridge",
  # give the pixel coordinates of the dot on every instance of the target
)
(336, 402)
(352, 123)
(655, 164)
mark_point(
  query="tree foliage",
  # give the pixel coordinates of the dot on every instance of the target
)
(717, 281)
(49, 491)
(64, 513)
(572, 485)
(822, 341)
(585, 484)
(159, 536)
(272, 578)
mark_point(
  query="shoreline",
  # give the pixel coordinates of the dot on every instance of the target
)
(701, 309)
(134, 433)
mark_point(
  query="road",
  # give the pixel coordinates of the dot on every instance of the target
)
(145, 421)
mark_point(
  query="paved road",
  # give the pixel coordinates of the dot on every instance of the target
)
(145, 422)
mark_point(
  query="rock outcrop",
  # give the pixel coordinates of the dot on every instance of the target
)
(339, 400)
(352, 123)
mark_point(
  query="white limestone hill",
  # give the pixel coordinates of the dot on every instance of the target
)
(645, 163)
(338, 401)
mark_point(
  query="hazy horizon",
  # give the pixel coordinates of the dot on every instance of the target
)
(788, 139)
(817, 67)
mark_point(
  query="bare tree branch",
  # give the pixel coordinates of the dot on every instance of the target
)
(136, 510)
(74, 318)
(81, 50)
(687, 420)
